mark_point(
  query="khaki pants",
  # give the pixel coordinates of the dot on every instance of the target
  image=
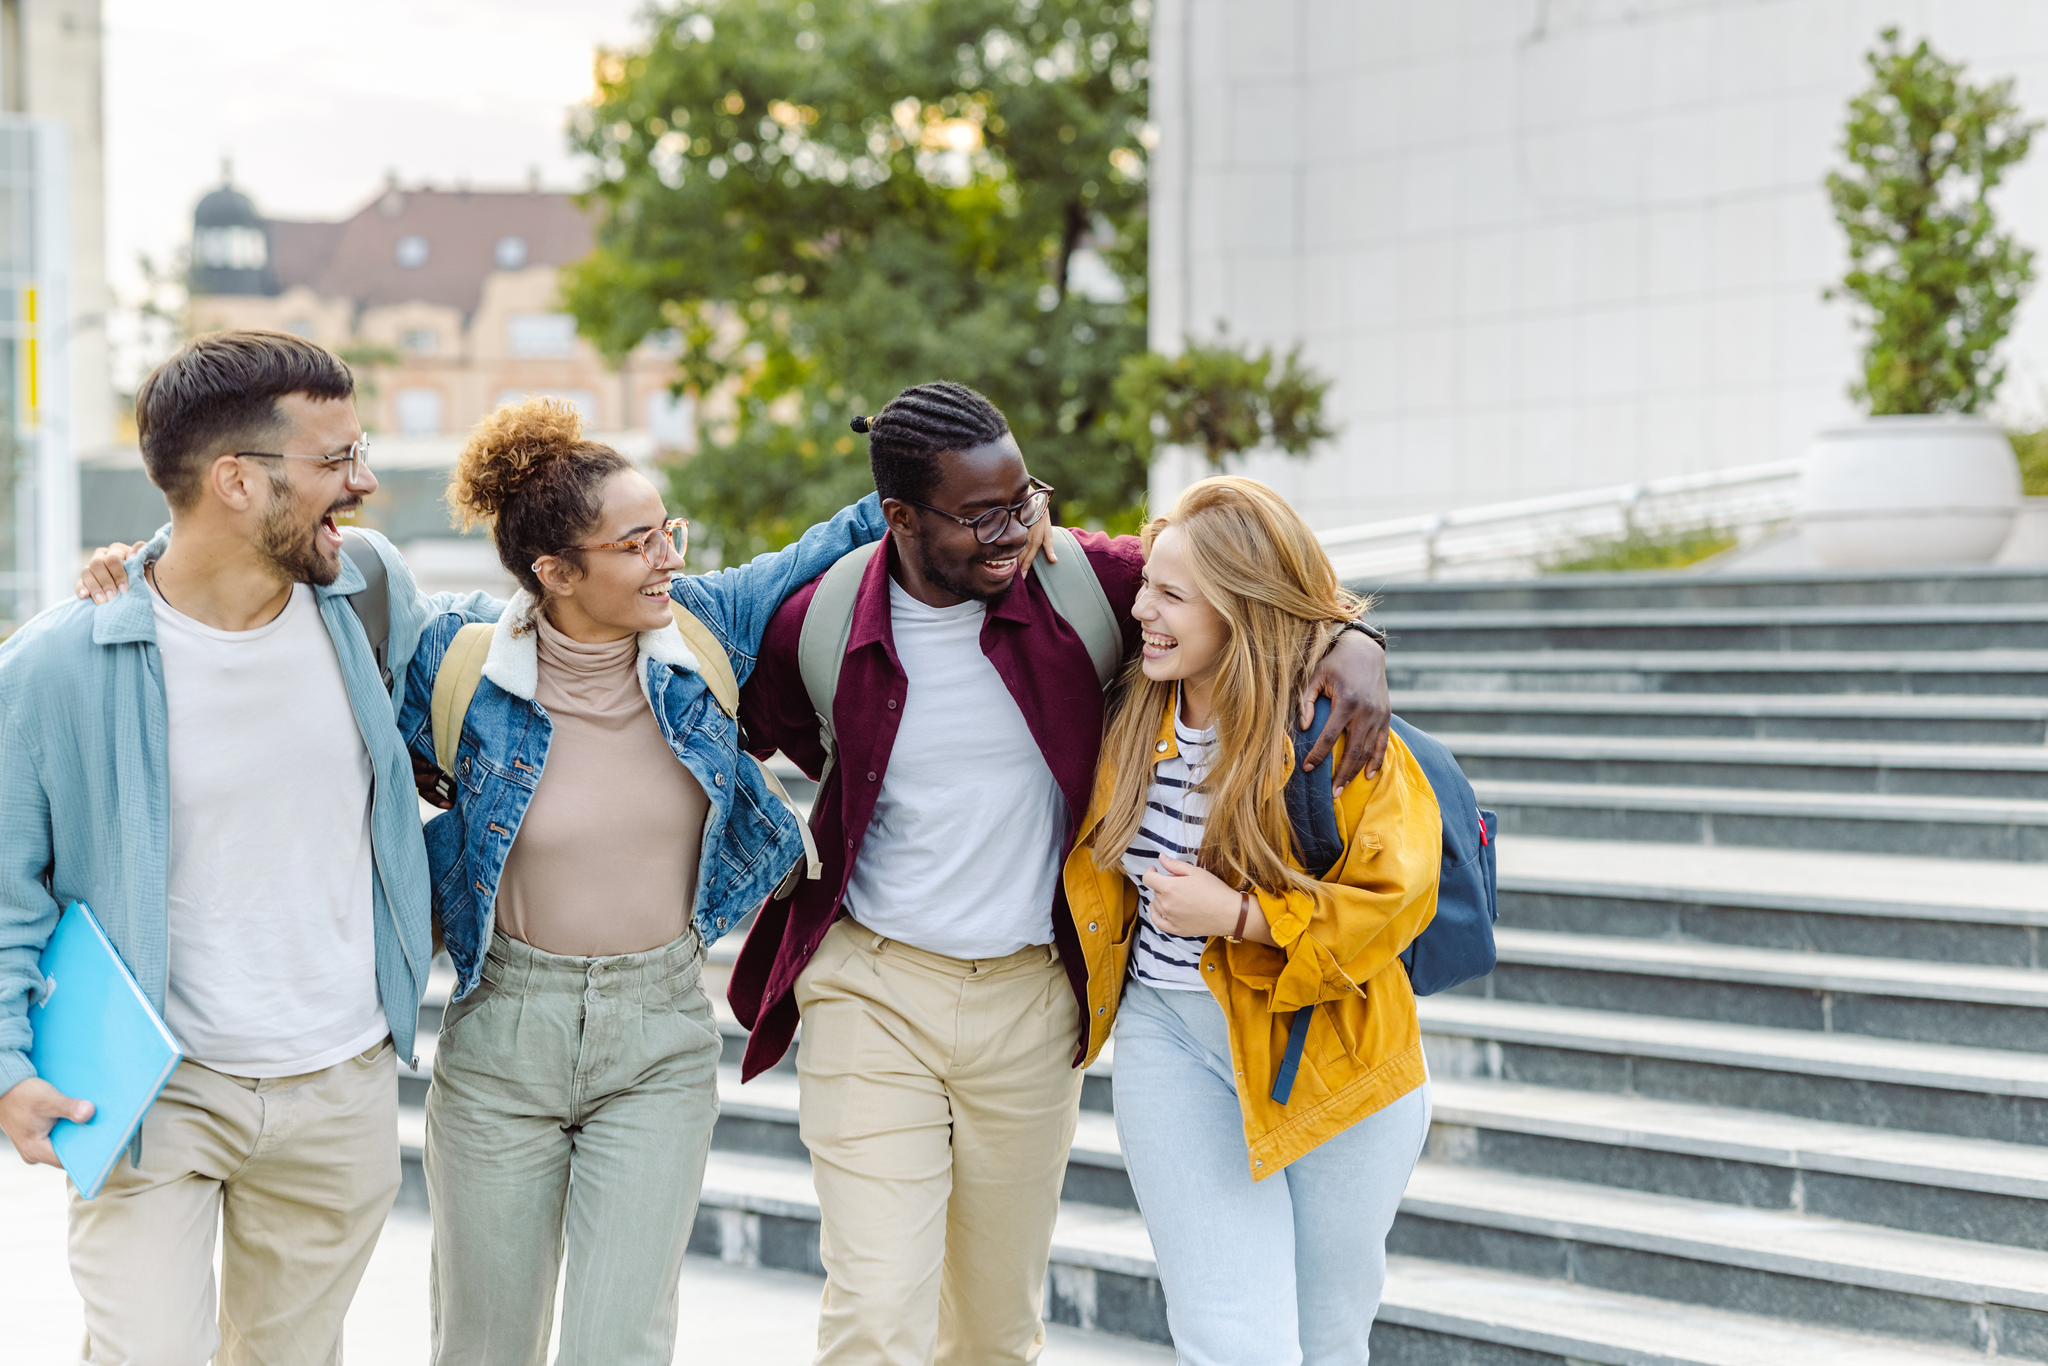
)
(297, 1173)
(572, 1108)
(939, 1099)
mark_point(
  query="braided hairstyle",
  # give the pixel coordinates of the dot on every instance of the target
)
(923, 422)
(527, 471)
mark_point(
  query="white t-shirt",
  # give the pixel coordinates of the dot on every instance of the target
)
(273, 960)
(963, 854)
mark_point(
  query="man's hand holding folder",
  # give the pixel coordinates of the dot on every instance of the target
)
(30, 1110)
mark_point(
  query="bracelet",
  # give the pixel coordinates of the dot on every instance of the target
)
(1244, 913)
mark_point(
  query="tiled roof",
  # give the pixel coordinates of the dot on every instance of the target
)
(358, 258)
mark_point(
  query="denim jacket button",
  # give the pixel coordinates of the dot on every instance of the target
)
(465, 765)
(718, 780)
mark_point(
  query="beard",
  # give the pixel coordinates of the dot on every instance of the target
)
(290, 549)
(959, 587)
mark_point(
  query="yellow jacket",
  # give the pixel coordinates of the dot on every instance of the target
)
(1340, 948)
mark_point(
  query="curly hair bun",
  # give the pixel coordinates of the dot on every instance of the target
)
(860, 424)
(504, 452)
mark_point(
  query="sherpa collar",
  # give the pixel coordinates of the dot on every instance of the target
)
(514, 659)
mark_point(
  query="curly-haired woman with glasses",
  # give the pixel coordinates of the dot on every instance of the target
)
(606, 826)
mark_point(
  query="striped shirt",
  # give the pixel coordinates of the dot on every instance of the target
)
(1174, 811)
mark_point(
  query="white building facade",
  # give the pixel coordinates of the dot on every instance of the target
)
(1539, 245)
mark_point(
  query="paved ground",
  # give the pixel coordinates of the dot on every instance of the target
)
(731, 1316)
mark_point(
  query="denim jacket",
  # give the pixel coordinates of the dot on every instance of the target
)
(85, 811)
(750, 839)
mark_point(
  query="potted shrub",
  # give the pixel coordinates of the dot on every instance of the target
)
(1922, 480)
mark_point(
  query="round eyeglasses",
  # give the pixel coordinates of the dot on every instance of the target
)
(990, 526)
(659, 546)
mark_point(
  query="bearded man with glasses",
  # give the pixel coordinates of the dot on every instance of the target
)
(213, 766)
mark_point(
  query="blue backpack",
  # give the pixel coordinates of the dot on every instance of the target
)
(1458, 945)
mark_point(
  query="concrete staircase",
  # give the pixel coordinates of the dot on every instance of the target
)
(1761, 1076)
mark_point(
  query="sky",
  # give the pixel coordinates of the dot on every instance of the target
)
(317, 104)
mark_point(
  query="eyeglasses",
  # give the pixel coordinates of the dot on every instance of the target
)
(990, 526)
(354, 463)
(658, 546)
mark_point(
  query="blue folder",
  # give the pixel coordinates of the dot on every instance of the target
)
(96, 1038)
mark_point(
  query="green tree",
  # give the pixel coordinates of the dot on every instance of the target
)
(831, 201)
(1925, 149)
(1223, 400)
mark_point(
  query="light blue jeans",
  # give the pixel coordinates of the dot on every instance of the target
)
(1282, 1272)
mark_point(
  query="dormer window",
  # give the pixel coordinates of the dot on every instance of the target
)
(412, 252)
(510, 253)
(231, 248)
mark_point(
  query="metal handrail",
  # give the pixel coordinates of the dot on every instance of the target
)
(1509, 539)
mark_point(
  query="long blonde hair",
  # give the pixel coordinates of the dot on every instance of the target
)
(1262, 569)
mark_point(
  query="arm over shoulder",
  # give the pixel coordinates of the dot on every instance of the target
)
(739, 603)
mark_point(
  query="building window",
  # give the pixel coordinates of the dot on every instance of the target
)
(419, 412)
(418, 341)
(231, 248)
(412, 252)
(511, 253)
(543, 334)
(582, 400)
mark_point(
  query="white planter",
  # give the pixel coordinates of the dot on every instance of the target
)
(1890, 492)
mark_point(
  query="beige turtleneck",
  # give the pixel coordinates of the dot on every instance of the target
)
(606, 860)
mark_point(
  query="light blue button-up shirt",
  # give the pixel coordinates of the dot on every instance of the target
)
(85, 791)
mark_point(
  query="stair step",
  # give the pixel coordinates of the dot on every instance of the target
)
(1839, 973)
(1575, 1323)
(1756, 716)
(1884, 1083)
(1773, 1241)
(1891, 628)
(2015, 1170)
(1944, 827)
(1412, 670)
(1695, 589)
(1944, 1067)
(1940, 1003)
(1818, 767)
(1823, 882)
(1807, 900)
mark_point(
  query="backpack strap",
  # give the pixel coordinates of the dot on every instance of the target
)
(714, 666)
(372, 605)
(1076, 594)
(462, 668)
(821, 648)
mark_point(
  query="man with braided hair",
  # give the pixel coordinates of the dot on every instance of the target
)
(937, 971)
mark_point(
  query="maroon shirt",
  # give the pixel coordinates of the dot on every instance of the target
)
(1041, 661)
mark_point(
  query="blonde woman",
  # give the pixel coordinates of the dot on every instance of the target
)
(1269, 1220)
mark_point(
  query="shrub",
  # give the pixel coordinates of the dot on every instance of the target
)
(1925, 149)
(1669, 548)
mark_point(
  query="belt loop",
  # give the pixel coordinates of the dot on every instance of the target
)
(879, 941)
